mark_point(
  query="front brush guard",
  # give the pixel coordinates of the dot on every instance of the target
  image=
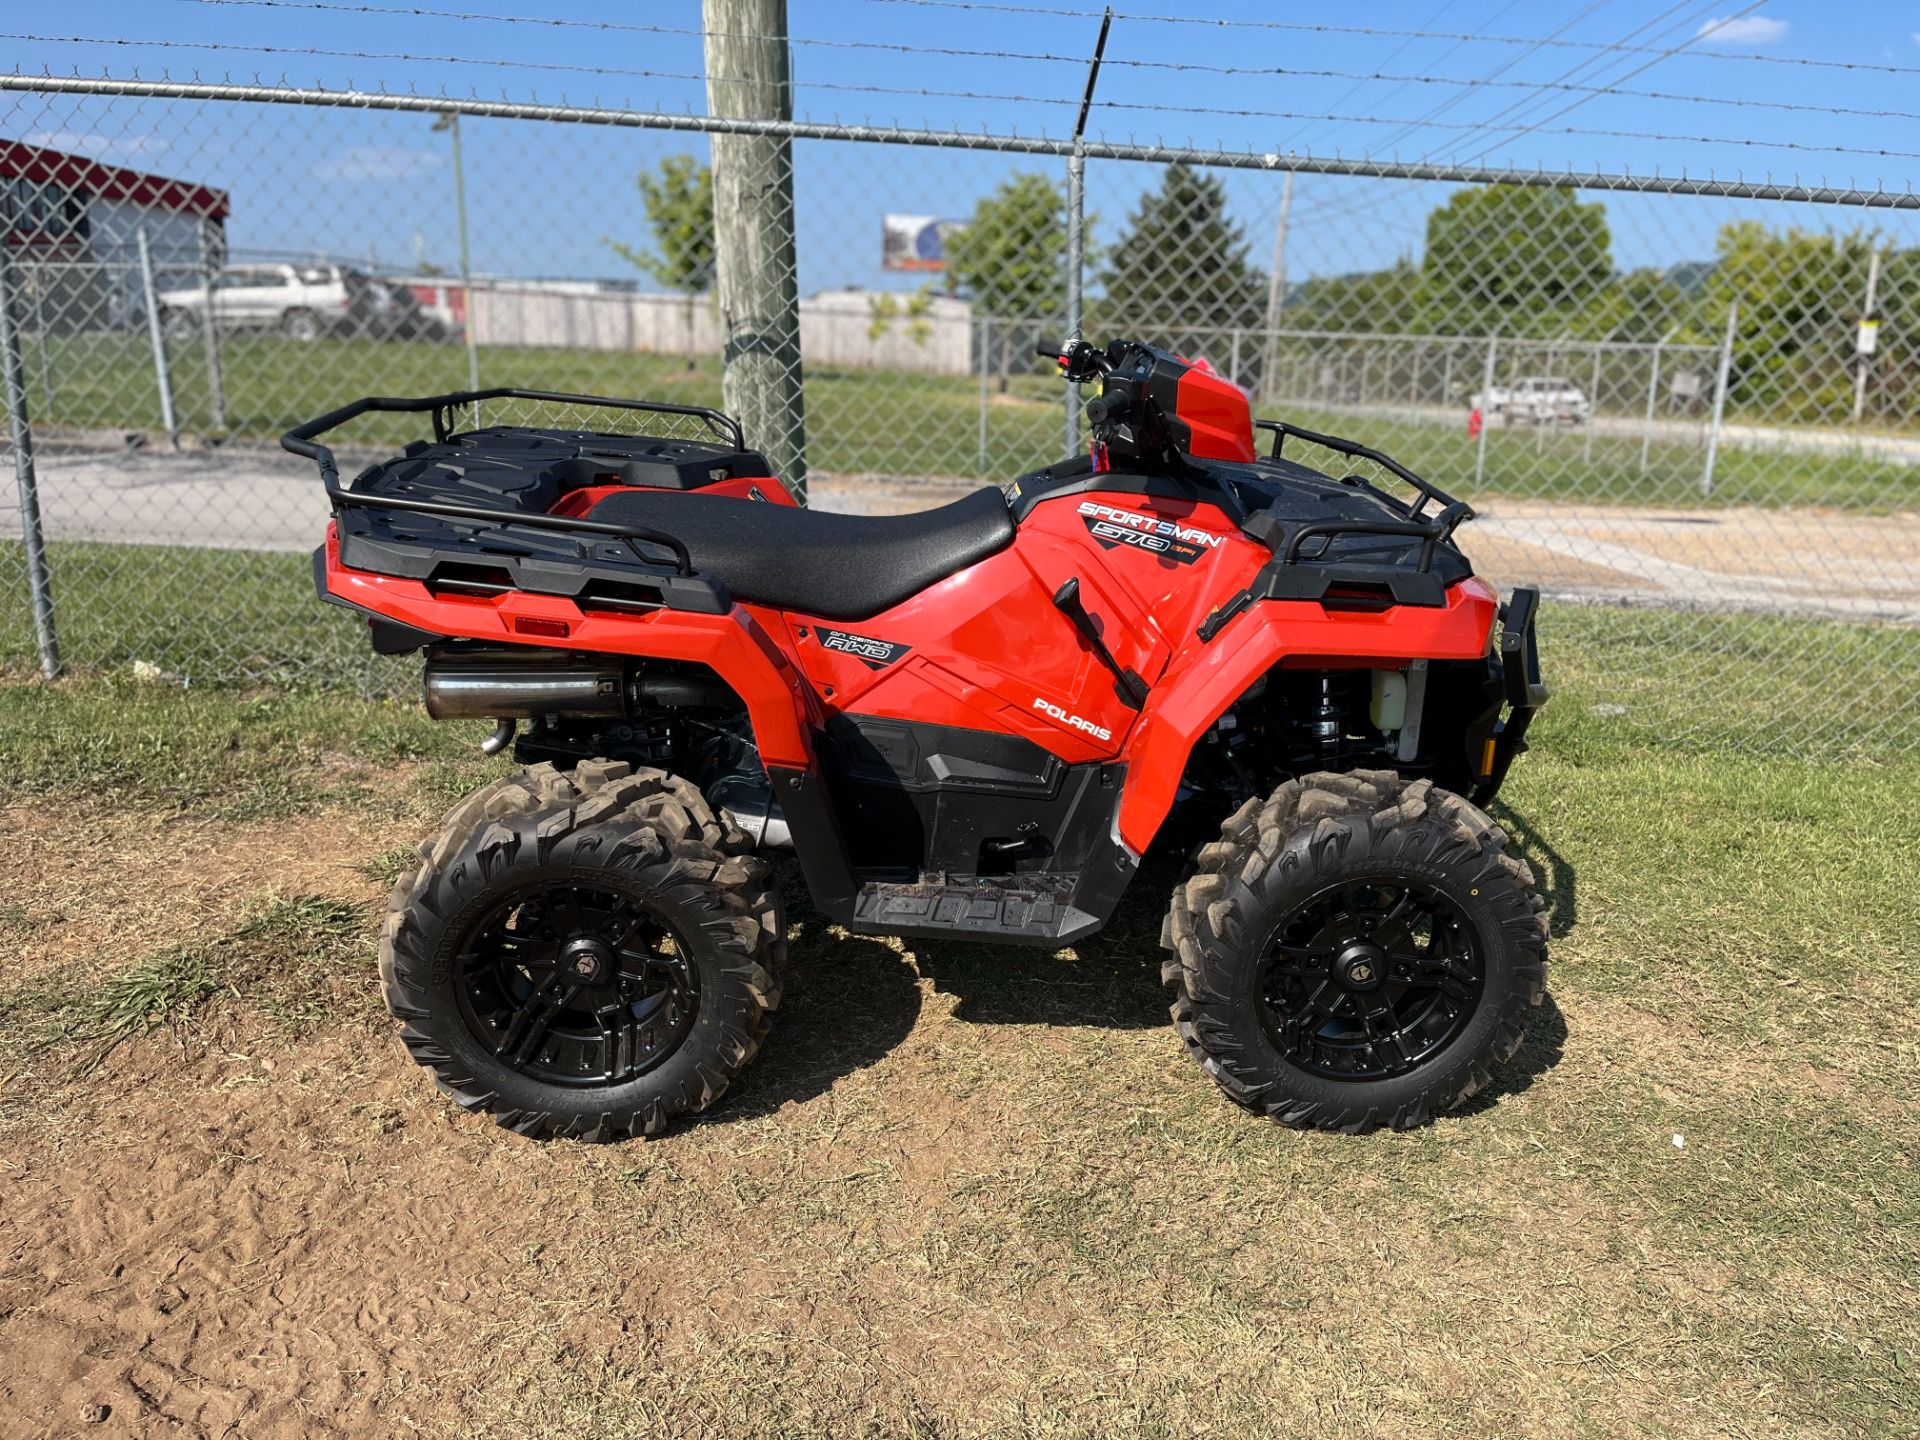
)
(1515, 671)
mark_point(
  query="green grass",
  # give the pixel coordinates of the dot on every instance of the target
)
(902, 425)
(278, 957)
(979, 1191)
(215, 752)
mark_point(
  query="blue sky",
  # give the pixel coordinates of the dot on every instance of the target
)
(543, 199)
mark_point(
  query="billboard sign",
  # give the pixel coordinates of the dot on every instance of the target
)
(915, 242)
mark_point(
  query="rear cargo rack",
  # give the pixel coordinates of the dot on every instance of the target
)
(303, 441)
(1293, 576)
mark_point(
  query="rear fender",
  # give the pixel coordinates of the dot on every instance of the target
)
(1205, 679)
(780, 703)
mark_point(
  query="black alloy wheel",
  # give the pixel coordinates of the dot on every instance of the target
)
(576, 986)
(1370, 980)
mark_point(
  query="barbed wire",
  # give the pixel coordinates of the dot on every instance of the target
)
(611, 71)
(1370, 31)
(413, 101)
(1472, 83)
(634, 27)
(1474, 125)
(624, 73)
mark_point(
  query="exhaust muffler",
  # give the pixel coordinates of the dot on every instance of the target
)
(496, 687)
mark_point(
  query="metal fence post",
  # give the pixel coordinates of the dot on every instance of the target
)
(1719, 399)
(1486, 417)
(210, 335)
(40, 334)
(159, 339)
(986, 368)
(1653, 393)
(39, 580)
(1593, 406)
(1076, 256)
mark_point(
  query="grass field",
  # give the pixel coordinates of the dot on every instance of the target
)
(871, 422)
(965, 1191)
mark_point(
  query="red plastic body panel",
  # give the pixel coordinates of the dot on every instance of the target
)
(1217, 413)
(986, 649)
(737, 648)
(738, 487)
(1210, 678)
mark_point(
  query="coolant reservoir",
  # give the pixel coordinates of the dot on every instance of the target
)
(1388, 707)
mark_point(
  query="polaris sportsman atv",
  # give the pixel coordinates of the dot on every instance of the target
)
(968, 723)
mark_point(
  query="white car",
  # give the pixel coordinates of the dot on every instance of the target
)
(1535, 400)
(302, 302)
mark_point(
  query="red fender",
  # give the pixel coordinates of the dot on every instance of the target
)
(1205, 679)
(779, 701)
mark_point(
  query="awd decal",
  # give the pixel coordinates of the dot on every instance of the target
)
(1098, 732)
(872, 653)
(1113, 526)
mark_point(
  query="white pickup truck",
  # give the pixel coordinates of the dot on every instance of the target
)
(1535, 400)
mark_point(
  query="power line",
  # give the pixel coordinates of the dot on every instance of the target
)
(1711, 27)
(1373, 32)
(1562, 87)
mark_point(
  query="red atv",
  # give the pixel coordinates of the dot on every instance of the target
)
(971, 722)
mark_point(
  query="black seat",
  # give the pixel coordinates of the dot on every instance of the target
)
(839, 567)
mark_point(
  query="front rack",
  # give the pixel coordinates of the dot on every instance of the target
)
(303, 441)
(1291, 576)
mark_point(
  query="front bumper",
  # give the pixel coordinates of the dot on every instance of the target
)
(1516, 670)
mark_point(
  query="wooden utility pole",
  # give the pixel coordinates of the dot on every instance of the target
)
(750, 77)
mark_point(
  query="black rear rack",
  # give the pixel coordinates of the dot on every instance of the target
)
(302, 441)
(1290, 576)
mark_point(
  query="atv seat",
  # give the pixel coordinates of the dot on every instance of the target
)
(839, 567)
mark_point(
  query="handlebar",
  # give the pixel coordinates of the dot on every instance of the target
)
(1079, 362)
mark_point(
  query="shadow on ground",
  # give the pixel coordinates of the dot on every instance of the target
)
(848, 1001)
(1111, 979)
(1554, 872)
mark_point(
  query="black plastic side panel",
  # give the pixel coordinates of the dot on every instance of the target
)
(936, 831)
(546, 562)
(916, 799)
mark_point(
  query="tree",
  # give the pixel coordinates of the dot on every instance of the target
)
(1800, 294)
(1010, 259)
(1179, 276)
(1517, 259)
(1368, 300)
(679, 205)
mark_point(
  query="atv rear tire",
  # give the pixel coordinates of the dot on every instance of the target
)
(576, 956)
(1355, 951)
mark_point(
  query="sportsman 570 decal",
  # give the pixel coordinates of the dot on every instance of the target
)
(1112, 526)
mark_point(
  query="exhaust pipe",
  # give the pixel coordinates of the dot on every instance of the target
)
(489, 687)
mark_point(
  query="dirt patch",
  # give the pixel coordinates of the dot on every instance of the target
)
(1507, 561)
(97, 887)
(964, 1192)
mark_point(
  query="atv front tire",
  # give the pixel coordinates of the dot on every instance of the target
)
(1355, 951)
(577, 956)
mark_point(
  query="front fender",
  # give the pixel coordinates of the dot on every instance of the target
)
(1206, 678)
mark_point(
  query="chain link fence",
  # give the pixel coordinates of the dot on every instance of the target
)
(1689, 417)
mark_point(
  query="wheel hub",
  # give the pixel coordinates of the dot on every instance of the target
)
(588, 959)
(1361, 966)
(1370, 979)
